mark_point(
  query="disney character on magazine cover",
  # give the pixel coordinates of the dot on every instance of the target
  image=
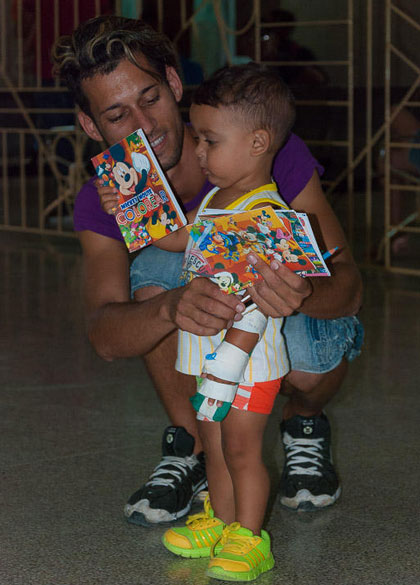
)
(130, 178)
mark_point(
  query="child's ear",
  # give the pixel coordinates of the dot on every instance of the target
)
(260, 142)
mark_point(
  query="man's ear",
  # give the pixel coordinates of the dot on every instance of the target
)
(174, 82)
(261, 141)
(89, 126)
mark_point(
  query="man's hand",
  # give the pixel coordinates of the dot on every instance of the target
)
(202, 308)
(282, 292)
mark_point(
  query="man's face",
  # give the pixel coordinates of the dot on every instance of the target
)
(128, 99)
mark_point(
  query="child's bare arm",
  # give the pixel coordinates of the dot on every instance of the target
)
(245, 340)
(174, 242)
(177, 240)
(224, 368)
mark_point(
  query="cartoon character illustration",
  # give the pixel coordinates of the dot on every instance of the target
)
(154, 177)
(252, 272)
(186, 277)
(127, 176)
(212, 242)
(263, 223)
(136, 232)
(231, 243)
(161, 223)
(287, 254)
(282, 235)
(104, 170)
(167, 218)
(226, 281)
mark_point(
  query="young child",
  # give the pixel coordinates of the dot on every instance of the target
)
(241, 116)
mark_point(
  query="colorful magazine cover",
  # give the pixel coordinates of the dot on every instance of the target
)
(147, 208)
(300, 228)
(219, 244)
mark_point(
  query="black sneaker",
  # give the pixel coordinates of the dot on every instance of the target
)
(309, 480)
(170, 490)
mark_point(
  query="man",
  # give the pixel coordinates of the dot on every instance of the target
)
(123, 76)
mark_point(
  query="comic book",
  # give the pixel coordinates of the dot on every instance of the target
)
(220, 240)
(147, 208)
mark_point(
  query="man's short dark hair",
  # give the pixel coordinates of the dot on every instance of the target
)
(98, 45)
(257, 93)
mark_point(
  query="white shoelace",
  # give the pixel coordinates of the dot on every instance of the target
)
(181, 465)
(299, 451)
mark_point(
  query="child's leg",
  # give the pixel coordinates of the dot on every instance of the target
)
(203, 531)
(218, 478)
(244, 550)
(224, 368)
(242, 439)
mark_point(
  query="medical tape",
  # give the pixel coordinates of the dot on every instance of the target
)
(207, 411)
(218, 390)
(253, 322)
(228, 362)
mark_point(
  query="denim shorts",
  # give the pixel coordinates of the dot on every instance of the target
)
(313, 345)
(155, 267)
(319, 345)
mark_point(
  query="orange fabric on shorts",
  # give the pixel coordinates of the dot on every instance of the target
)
(257, 398)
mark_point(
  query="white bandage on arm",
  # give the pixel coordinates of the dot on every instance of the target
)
(222, 394)
(252, 321)
(228, 362)
(218, 390)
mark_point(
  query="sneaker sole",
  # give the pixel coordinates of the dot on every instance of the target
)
(152, 517)
(304, 501)
(219, 573)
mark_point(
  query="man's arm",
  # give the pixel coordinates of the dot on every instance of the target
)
(119, 327)
(283, 292)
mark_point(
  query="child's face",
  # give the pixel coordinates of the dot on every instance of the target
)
(223, 145)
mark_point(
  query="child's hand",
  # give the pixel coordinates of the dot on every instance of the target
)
(108, 197)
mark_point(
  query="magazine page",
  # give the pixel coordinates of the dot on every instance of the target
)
(219, 244)
(147, 208)
(300, 227)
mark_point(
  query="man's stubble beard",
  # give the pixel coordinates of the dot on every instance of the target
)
(177, 154)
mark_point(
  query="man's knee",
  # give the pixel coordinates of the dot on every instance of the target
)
(307, 382)
(155, 269)
(302, 381)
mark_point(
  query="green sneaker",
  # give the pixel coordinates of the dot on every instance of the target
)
(196, 539)
(241, 556)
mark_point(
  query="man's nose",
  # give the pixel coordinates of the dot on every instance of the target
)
(145, 121)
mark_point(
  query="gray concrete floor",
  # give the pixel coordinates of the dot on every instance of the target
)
(80, 435)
